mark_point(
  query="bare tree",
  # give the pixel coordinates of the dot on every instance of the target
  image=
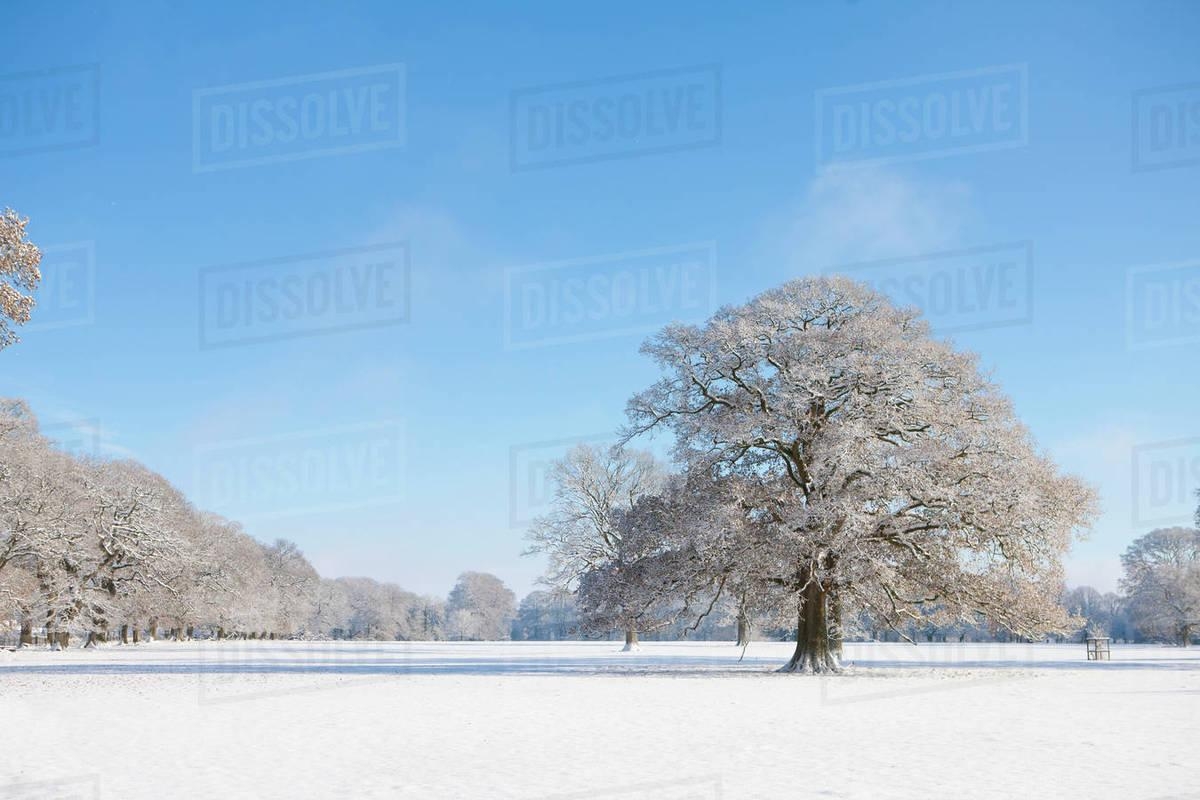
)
(882, 470)
(581, 534)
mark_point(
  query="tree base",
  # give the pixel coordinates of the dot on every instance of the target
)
(809, 668)
(822, 662)
(631, 648)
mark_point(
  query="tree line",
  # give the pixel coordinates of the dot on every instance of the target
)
(101, 548)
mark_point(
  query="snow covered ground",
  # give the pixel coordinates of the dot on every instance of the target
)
(581, 720)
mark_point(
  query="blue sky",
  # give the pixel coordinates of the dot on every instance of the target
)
(1052, 160)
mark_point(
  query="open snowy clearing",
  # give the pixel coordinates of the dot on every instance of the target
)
(582, 720)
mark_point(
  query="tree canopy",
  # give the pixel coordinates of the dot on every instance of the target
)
(875, 466)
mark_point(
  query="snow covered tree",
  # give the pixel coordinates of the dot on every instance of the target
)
(364, 612)
(1116, 609)
(882, 470)
(403, 616)
(546, 616)
(732, 531)
(1091, 608)
(1162, 581)
(382, 611)
(46, 532)
(292, 582)
(480, 608)
(331, 609)
(674, 559)
(580, 533)
(239, 603)
(431, 613)
(19, 274)
(42, 509)
(136, 544)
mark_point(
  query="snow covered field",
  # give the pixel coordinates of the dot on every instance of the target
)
(581, 720)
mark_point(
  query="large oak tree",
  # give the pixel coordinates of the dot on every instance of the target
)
(880, 469)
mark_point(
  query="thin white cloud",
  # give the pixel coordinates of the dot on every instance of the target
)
(848, 216)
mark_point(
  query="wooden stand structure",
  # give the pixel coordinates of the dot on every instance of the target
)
(1097, 648)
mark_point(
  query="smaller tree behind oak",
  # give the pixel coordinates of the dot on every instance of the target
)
(881, 470)
(581, 533)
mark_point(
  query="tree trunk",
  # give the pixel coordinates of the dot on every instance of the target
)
(816, 651)
(26, 634)
(1185, 635)
(836, 634)
(743, 630)
(137, 633)
(64, 639)
(220, 633)
(90, 641)
(191, 629)
(124, 634)
(631, 640)
(154, 629)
